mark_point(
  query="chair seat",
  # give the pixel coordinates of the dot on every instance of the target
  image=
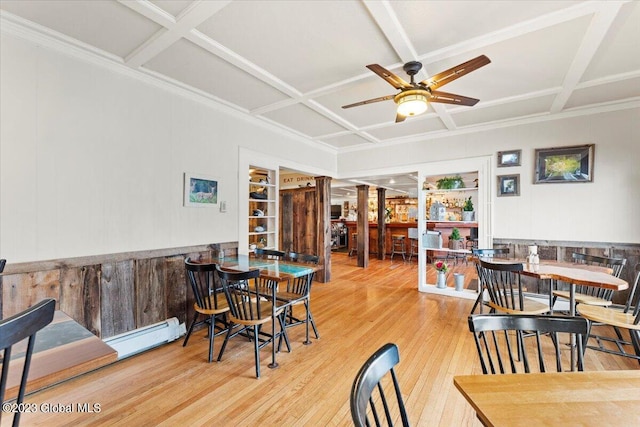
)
(583, 299)
(530, 307)
(223, 306)
(605, 315)
(264, 316)
(289, 297)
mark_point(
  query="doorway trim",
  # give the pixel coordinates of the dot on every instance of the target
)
(484, 211)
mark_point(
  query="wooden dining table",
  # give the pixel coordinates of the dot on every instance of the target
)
(571, 273)
(274, 270)
(554, 399)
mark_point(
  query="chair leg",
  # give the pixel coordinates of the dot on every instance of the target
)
(212, 334)
(306, 323)
(193, 322)
(635, 340)
(256, 350)
(226, 338)
(313, 324)
(283, 331)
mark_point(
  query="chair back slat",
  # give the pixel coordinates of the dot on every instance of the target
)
(371, 390)
(242, 291)
(206, 291)
(633, 301)
(615, 264)
(15, 329)
(503, 283)
(268, 253)
(502, 336)
(302, 285)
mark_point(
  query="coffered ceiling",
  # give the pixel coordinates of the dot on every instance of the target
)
(295, 63)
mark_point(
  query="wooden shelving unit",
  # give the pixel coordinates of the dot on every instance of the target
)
(262, 197)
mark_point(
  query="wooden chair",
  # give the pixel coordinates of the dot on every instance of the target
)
(485, 253)
(299, 292)
(618, 317)
(504, 286)
(589, 294)
(249, 308)
(496, 352)
(210, 301)
(268, 253)
(368, 391)
(13, 330)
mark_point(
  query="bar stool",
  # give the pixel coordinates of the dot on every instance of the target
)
(413, 248)
(354, 244)
(398, 246)
(413, 242)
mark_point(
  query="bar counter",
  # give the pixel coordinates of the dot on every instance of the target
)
(402, 228)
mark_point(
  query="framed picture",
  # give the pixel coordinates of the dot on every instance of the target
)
(200, 190)
(509, 185)
(564, 164)
(509, 158)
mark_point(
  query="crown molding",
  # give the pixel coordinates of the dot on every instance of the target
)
(15, 26)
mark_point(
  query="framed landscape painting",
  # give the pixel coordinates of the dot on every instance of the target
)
(509, 158)
(509, 185)
(564, 164)
(200, 190)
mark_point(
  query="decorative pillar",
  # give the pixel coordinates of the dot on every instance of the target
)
(323, 227)
(363, 225)
(382, 225)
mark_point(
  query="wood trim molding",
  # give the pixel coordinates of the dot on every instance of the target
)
(54, 264)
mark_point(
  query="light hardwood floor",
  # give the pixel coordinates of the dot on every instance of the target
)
(356, 313)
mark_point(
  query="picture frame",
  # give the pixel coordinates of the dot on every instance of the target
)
(200, 190)
(509, 158)
(571, 164)
(508, 185)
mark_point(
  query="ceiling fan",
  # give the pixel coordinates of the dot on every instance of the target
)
(413, 97)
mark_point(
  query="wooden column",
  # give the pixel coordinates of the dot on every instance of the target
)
(363, 225)
(323, 230)
(382, 226)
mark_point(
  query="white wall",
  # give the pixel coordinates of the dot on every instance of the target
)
(606, 210)
(92, 159)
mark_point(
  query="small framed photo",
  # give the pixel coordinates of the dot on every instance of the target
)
(200, 191)
(509, 158)
(564, 164)
(509, 185)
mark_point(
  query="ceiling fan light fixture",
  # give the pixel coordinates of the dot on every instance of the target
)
(411, 103)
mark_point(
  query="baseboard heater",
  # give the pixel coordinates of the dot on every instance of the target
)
(139, 340)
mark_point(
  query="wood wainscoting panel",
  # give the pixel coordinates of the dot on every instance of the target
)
(21, 291)
(179, 298)
(150, 291)
(80, 295)
(118, 299)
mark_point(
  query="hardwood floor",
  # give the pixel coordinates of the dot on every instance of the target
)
(356, 313)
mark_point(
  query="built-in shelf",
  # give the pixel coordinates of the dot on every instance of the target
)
(269, 237)
(453, 190)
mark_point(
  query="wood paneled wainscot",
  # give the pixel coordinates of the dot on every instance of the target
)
(109, 294)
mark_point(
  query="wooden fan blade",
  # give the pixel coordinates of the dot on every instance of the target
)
(451, 74)
(400, 118)
(391, 78)
(369, 101)
(452, 98)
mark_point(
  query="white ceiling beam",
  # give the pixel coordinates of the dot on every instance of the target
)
(597, 31)
(194, 15)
